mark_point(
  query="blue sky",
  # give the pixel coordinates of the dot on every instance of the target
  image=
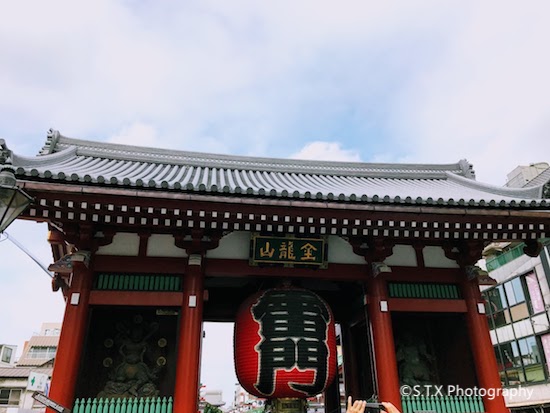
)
(371, 81)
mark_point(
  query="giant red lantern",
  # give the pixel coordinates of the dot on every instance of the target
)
(285, 344)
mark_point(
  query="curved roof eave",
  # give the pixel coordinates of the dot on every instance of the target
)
(58, 143)
(532, 192)
(83, 162)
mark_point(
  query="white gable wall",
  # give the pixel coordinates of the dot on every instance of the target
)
(124, 244)
(402, 256)
(434, 257)
(164, 245)
(341, 252)
(236, 245)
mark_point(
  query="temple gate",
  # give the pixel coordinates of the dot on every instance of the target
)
(149, 243)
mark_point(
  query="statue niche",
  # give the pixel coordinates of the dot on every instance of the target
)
(138, 360)
(415, 362)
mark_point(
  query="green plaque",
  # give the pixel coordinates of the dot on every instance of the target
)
(289, 251)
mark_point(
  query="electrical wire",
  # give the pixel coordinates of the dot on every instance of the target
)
(7, 236)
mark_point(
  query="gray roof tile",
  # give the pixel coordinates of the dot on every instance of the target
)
(87, 162)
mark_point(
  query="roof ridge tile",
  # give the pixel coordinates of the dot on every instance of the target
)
(57, 142)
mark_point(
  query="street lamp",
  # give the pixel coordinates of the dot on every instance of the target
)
(13, 200)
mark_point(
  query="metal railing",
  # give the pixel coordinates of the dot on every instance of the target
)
(443, 404)
(120, 405)
(505, 258)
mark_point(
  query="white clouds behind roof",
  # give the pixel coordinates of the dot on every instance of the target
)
(423, 81)
(138, 134)
(326, 151)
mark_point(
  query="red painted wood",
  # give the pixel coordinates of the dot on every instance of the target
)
(482, 348)
(71, 340)
(258, 206)
(225, 268)
(137, 298)
(147, 265)
(427, 306)
(383, 343)
(416, 274)
(241, 268)
(189, 344)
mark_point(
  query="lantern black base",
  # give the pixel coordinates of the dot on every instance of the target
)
(286, 405)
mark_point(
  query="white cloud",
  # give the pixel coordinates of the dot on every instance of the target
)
(326, 151)
(137, 134)
(484, 98)
(243, 67)
(434, 81)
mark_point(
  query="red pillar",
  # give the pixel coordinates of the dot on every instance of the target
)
(482, 347)
(190, 338)
(382, 338)
(71, 340)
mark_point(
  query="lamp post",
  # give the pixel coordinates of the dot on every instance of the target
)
(13, 200)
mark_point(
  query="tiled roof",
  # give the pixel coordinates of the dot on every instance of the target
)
(6, 372)
(37, 341)
(27, 361)
(97, 163)
(17, 372)
(43, 341)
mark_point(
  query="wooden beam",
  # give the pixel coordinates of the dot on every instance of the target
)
(427, 305)
(129, 209)
(241, 268)
(224, 268)
(137, 298)
(283, 206)
(417, 274)
(149, 265)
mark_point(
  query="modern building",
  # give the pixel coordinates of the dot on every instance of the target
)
(36, 361)
(518, 311)
(149, 243)
(42, 347)
(528, 175)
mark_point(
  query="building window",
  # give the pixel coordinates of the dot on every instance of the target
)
(6, 354)
(42, 352)
(515, 294)
(10, 397)
(496, 307)
(509, 302)
(520, 361)
(514, 291)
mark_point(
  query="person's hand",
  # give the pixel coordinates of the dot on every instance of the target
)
(390, 408)
(358, 406)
